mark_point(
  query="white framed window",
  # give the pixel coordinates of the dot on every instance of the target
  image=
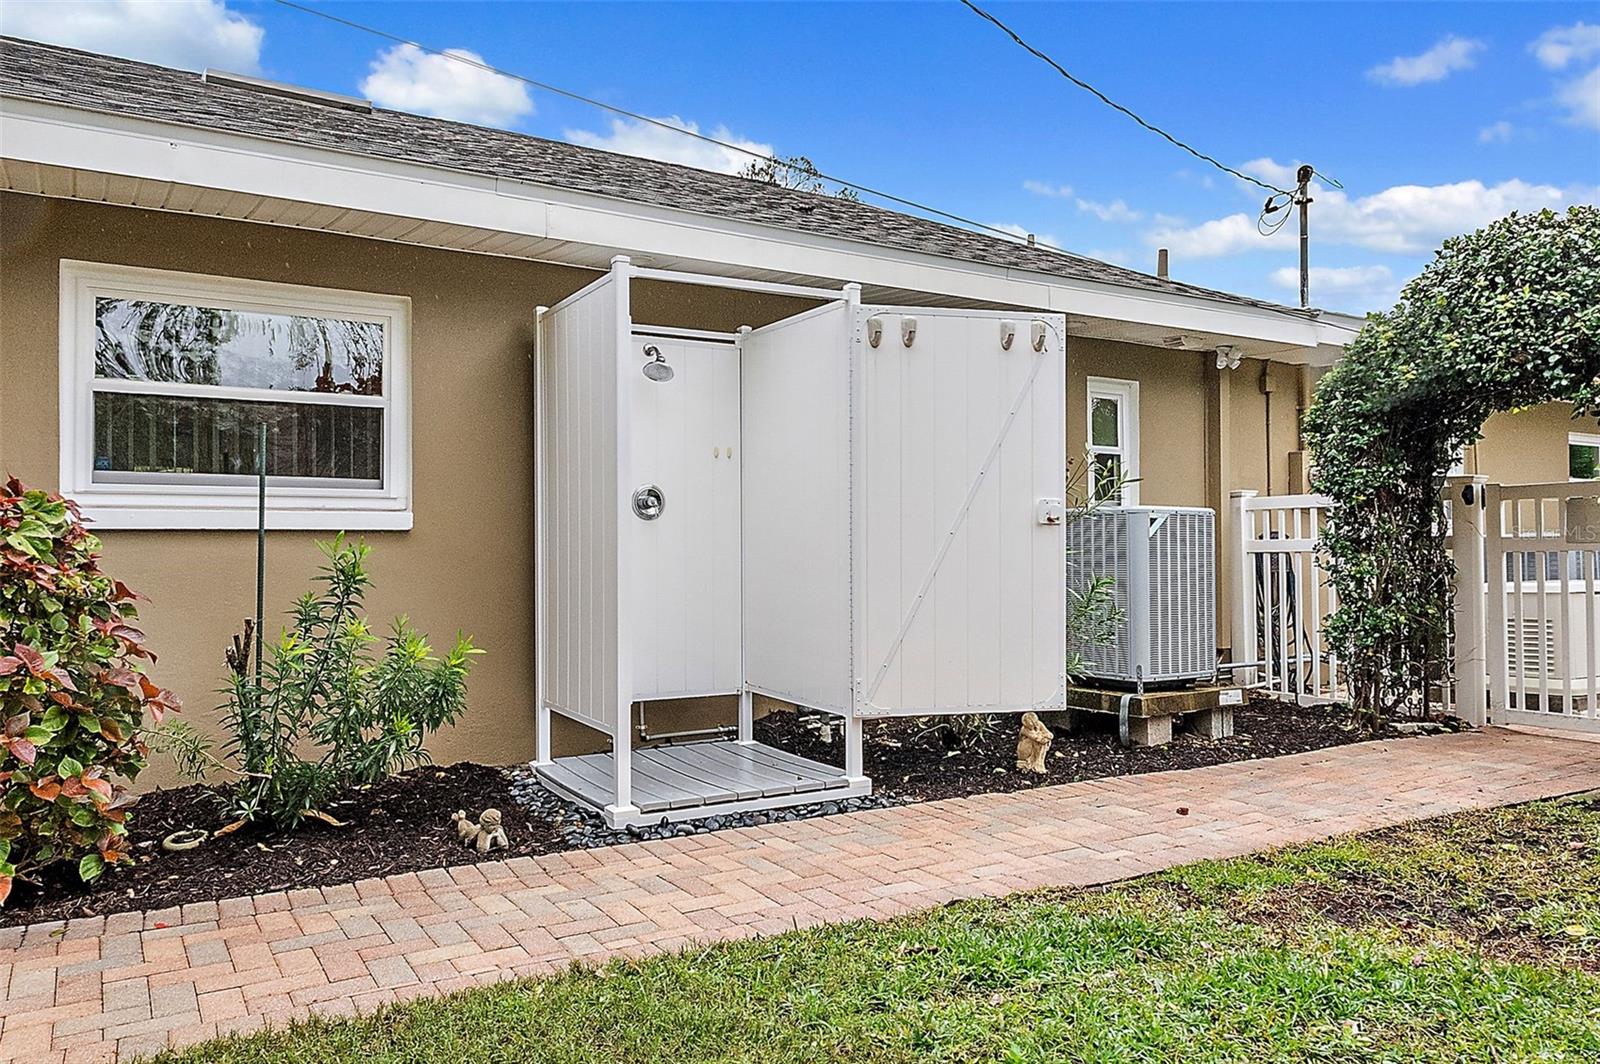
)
(1583, 456)
(166, 379)
(1114, 440)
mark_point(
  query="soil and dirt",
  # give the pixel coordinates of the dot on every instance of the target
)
(403, 824)
(912, 757)
(1479, 878)
(400, 825)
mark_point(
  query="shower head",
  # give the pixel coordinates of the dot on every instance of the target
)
(656, 369)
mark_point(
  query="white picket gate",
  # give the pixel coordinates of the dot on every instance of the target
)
(1527, 608)
(1282, 597)
(1526, 618)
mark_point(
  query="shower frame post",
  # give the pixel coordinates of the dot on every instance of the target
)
(622, 806)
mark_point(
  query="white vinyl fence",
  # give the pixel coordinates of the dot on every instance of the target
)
(1526, 618)
(1532, 607)
(1282, 597)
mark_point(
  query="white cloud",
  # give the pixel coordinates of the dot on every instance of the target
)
(448, 85)
(1204, 180)
(1452, 53)
(1042, 188)
(1558, 48)
(192, 34)
(1403, 219)
(1359, 287)
(628, 137)
(1581, 98)
(1560, 45)
(1337, 278)
(1496, 133)
(1271, 171)
(1213, 239)
(1115, 211)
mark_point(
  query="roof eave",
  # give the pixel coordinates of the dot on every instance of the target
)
(559, 220)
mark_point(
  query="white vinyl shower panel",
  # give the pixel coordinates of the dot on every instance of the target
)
(684, 600)
(578, 555)
(903, 546)
(856, 509)
(962, 467)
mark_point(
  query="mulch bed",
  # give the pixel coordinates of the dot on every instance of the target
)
(400, 825)
(911, 758)
(403, 824)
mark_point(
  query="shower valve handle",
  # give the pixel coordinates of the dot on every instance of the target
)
(649, 503)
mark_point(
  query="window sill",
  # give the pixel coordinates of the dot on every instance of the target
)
(154, 518)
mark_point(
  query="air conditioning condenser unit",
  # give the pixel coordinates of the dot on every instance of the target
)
(1162, 561)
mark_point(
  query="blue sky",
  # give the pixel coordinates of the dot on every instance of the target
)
(1436, 117)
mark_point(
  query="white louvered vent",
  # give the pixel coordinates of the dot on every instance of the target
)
(1163, 562)
(1531, 655)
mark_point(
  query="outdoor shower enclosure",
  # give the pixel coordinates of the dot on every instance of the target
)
(855, 509)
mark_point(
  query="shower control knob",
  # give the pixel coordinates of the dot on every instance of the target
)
(648, 503)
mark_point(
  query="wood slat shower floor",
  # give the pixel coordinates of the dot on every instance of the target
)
(669, 780)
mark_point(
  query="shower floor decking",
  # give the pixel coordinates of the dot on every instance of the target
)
(701, 779)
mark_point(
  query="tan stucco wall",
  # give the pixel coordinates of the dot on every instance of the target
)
(468, 562)
(1173, 423)
(1250, 465)
(1172, 461)
(1178, 415)
(1527, 446)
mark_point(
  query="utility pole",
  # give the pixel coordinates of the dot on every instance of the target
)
(1302, 198)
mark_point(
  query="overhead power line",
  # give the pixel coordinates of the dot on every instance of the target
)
(1114, 105)
(637, 117)
(1278, 199)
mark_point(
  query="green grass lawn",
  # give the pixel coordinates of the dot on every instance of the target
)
(1474, 937)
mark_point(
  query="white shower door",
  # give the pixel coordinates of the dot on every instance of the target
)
(686, 592)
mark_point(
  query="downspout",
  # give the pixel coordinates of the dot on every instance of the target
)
(1306, 390)
(1266, 392)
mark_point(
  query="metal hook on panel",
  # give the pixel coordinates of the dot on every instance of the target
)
(1037, 333)
(1008, 334)
(874, 331)
(908, 331)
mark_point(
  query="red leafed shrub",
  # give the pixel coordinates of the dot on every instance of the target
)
(73, 694)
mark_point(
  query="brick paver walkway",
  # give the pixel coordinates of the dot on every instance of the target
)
(122, 986)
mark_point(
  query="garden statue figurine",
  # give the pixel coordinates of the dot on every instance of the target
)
(491, 836)
(1033, 744)
(487, 834)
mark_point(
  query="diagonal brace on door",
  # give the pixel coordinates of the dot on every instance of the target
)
(955, 526)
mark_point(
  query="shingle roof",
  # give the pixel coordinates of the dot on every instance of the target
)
(96, 82)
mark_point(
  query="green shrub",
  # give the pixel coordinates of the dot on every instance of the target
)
(73, 694)
(1502, 318)
(321, 689)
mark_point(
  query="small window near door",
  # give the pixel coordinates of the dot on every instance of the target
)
(1583, 456)
(1114, 440)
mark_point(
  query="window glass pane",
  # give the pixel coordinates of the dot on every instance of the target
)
(1103, 422)
(145, 340)
(1107, 477)
(1583, 461)
(164, 435)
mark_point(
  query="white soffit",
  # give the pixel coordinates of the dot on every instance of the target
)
(64, 152)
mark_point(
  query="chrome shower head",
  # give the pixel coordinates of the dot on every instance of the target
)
(656, 369)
